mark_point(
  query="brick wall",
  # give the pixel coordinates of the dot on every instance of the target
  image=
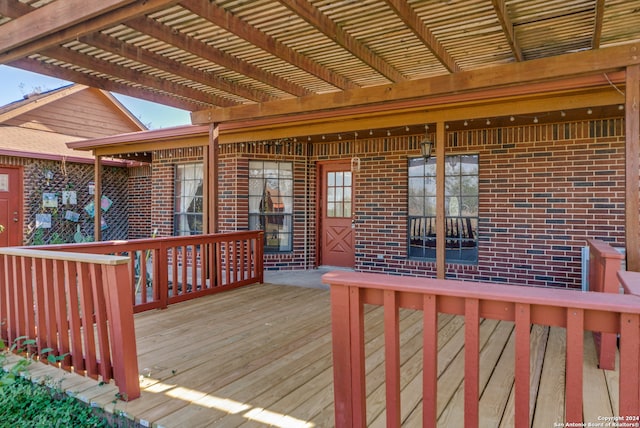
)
(544, 190)
(140, 185)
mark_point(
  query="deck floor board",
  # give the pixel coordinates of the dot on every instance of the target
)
(261, 356)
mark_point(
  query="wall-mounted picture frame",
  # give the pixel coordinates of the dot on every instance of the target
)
(72, 216)
(43, 221)
(69, 197)
(49, 200)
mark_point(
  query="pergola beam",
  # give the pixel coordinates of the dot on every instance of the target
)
(134, 76)
(53, 17)
(415, 24)
(160, 62)
(79, 29)
(107, 85)
(518, 74)
(500, 8)
(597, 24)
(211, 53)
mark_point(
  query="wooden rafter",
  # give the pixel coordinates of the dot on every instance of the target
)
(107, 85)
(80, 29)
(152, 59)
(211, 53)
(51, 18)
(597, 24)
(329, 28)
(500, 8)
(134, 76)
(415, 24)
(237, 26)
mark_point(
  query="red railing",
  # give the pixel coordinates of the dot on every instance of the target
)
(604, 264)
(173, 269)
(75, 305)
(576, 311)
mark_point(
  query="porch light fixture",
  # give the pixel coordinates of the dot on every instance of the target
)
(426, 145)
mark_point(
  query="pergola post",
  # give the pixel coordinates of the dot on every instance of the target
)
(632, 167)
(97, 197)
(441, 229)
(212, 179)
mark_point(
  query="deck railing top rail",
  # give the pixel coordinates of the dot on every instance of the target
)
(554, 297)
(101, 259)
(148, 243)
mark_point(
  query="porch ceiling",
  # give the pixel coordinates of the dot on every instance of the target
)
(224, 55)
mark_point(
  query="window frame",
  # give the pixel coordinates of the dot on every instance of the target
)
(461, 228)
(263, 213)
(183, 216)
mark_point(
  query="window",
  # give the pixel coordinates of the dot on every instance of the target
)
(461, 208)
(187, 218)
(339, 194)
(271, 203)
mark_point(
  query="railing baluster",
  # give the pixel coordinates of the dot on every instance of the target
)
(4, 294)
(522, 364)
(99, 304)
(71, 274)
(392, 357)
(430, 361)
(40, 305)
(471, 361)
(62, 317)
(88, 331)
(18, 297)
(50, 304)
(27, 289)
(574, 362)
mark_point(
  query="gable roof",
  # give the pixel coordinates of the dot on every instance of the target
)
(40, 125)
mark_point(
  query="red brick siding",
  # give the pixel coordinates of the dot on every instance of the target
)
(544, 189)
(140, 184)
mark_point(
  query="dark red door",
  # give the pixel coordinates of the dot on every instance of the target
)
(10, 206)
(336, 230)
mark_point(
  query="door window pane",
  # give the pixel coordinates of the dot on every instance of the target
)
(339, 194)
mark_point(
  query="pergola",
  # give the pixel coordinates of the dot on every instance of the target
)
(269, 69)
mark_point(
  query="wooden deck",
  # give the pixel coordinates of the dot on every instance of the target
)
(261, 356)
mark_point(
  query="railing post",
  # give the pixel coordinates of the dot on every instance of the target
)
(604, 264)
(116, 287)
(348, 357)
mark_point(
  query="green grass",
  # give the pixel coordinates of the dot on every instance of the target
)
(25, 404)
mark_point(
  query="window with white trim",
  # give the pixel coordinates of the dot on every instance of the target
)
(271, 203)
(188, 200)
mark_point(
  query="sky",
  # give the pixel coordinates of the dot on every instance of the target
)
(15, 83)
